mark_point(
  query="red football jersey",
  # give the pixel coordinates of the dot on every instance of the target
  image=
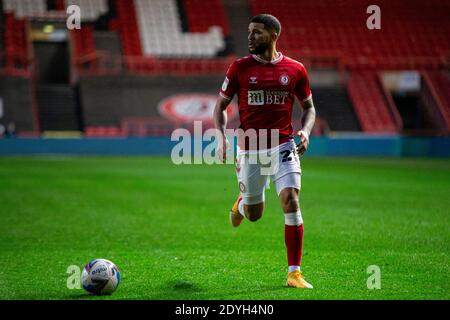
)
(266, 92)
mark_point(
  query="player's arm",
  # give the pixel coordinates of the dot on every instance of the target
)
(308, 119)
(220, 123)
(229, 89)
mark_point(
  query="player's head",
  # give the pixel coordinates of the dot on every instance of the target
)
(263, 32)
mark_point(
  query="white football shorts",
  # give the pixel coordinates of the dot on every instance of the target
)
(254, 169)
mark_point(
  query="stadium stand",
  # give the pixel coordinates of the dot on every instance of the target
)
(101, 131)
(374, 112)
(153, 41)
(91, 10)
(187, 39)
(437, 83)
(161, 34)
(413, 35)
(341, 33)
(335, 107)
(127, 25)
(17, 56)
(201, 18)
(25, 8)
(83, 44)
(95, 52)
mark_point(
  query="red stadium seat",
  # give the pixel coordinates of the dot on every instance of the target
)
(17, 54)
(127, 25)
(201, 15)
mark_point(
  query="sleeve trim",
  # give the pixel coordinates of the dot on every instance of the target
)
(224, 96)
(307, 98)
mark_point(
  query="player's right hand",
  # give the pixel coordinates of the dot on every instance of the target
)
(222, 146)
(304, 142)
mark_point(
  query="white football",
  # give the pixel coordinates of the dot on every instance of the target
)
(100, 276)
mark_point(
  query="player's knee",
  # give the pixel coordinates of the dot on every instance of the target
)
(290, 202)
(254, 217)
(254, 213)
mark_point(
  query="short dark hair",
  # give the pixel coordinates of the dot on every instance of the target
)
(269, 21)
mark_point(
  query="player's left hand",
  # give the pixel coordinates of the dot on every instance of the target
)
(304, 142)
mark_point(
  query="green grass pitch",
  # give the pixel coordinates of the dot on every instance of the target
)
(167, 229)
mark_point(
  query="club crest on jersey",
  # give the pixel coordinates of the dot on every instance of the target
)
(252, 80)
(284, 79)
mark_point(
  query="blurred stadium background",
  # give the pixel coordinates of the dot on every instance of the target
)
(141, 68)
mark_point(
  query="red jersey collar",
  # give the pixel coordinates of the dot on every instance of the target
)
(274, 61)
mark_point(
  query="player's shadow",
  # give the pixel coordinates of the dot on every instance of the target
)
(247, 294)
(178, 290)
(188, 290)
(184, 286)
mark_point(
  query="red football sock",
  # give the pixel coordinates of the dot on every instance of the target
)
(293, 238)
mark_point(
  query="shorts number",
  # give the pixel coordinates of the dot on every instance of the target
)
(286, 156)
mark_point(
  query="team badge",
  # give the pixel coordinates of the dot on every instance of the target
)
(242, 186)
(252, 80)
(284, 79)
